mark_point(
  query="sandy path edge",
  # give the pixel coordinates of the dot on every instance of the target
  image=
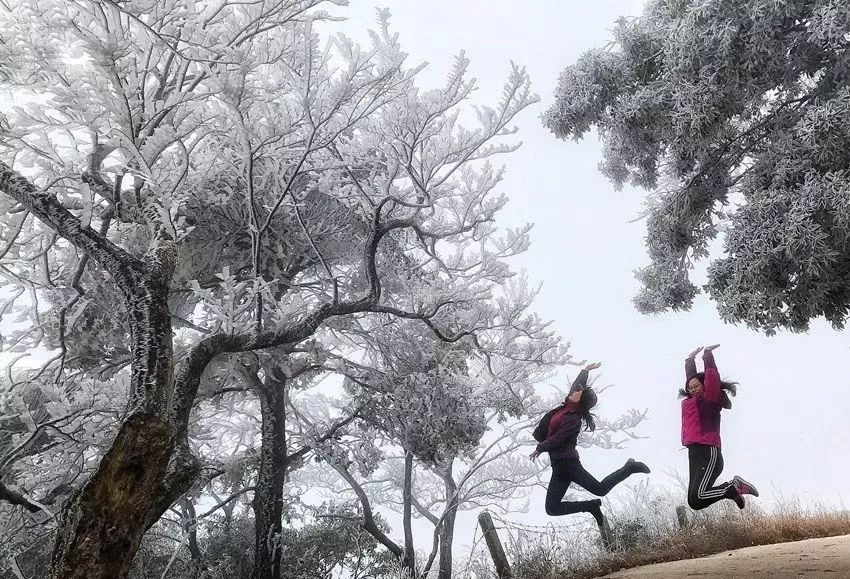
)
(809, 559)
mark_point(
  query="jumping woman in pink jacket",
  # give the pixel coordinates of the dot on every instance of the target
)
(704, 397)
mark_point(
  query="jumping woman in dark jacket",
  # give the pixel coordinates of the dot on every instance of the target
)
(557, 433)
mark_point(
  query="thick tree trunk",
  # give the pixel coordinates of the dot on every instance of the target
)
(408, 561)
(148, 466)
(102, 527)
(447, 531)
(268, 496)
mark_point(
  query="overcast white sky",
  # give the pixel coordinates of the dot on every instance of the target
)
(789, 430)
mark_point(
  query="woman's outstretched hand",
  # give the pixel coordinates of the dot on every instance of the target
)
(534, 455)
(593, 366)
(710, 348)
(694, 353)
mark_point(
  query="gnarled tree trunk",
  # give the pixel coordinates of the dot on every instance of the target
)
(147, 467)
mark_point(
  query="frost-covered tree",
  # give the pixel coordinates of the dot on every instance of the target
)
(183, 180)
(737, 115)
(430, 406)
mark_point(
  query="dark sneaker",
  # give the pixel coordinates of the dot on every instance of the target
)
(605, 535)
(739, 500)
(743, 487)
(594, 507)
(634, 466)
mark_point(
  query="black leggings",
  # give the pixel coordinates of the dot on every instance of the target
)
(706, 464)
(569, 470)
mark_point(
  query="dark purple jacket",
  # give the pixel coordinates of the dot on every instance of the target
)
(562, 442)
(701, 414)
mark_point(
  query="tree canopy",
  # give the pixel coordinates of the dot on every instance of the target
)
(736, 115)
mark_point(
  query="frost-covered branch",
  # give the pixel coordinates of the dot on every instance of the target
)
(45, 206)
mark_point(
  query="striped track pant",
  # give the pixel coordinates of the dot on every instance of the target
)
(706, 464)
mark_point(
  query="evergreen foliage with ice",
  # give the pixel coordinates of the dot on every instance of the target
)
(736, 114)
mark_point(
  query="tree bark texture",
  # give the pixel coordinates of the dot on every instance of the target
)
(268, 496)
(408, 561)
(447, 530)
(148, 466)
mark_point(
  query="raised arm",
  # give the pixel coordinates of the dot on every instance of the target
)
(580, 383)
(711, 387)
(691, 365)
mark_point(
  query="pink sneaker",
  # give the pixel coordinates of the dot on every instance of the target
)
(743, 487)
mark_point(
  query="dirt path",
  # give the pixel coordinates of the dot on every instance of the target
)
(810, 559)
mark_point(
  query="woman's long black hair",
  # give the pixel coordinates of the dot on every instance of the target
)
(730, 387)
(588, 401)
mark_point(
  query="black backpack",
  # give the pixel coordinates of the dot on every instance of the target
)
(542, 428)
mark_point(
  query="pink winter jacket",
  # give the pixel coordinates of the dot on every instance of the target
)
(701, 414)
